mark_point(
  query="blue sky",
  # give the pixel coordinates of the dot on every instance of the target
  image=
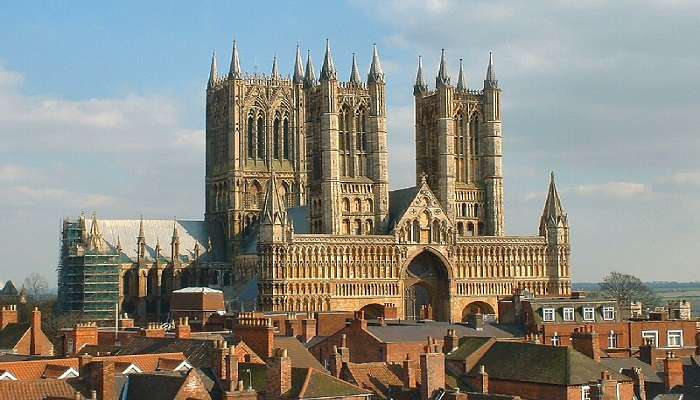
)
(102, 109)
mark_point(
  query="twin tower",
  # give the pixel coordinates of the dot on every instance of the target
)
(325, 142)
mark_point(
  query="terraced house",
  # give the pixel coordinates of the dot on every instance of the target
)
(299, 210)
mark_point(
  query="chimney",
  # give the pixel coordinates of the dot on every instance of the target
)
(8, 315)
(409, 372)
(257, 332)
(126, 322)
(308, 329)
(639, 384)
(451, 341)
(432, 366)
(359, 322)
(390, 311)
(101, 379)
(35, 345)
(340, 355)
(231, 370)
(476, 321)
(155, 330)
(605, 388)
(482, 380)
(182, 328)
(217, 359)
(585, 340)
(673, 371)
(279, 374)
(81, 335)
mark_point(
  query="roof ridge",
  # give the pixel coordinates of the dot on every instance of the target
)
(305, 385)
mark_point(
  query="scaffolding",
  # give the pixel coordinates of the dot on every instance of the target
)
(88, 278)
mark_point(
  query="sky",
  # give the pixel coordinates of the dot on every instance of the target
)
(102, 110)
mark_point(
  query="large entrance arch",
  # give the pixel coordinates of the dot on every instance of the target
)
(426, 284)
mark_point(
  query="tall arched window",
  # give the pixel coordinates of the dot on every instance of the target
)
(344, 143)
(261, 137)
(276, 138)
(415, 231)
(251, 137)
(474, 134)
(361, 142)
(286, 139)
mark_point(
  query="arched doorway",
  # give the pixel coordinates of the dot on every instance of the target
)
(477, 307)
(373, 311)
(426, 286)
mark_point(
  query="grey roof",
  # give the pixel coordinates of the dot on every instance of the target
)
(301, 357)
(9, 289)
(197, 351)
(160, 231)
(399, 201)
(651, 373)
(300, 218)
(409, 331)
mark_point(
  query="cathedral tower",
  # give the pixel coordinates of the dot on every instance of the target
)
(458, 148)
(347, 149)
(554, 227)
(255, 125)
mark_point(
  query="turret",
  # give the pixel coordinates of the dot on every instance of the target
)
(275, 74)
(420, 87)
(378, 160)
(354, 72)
(273, 217)
(213, 73)
(461, 82)
(442, 78)
(376, 75)
(310, 74)
(328, 72)
(554, 226)
(298, 75)
(443, 182)
(95, 237)
(491, 153)
(235, 69)
(175, 244)
(141, 243)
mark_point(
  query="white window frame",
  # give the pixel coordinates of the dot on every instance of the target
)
(613, 340)
(610, 310)
(569, 314)
(585, 392)
(546, 311)
(680, 337)
(591, 310)
(655, 334)
(556, 339)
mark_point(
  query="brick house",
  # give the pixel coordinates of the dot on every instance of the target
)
(25, 338)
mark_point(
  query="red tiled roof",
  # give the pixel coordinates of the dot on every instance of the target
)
(36, 389)
(379, 377)
(54, 371)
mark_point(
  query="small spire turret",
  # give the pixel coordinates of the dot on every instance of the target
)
(235, 69)
(443, 78)
(420, 86)
(175, 243)
(213, 73)
(275, 74)
(461, 82)
(95, 237)
(376, 75)
(491, 82)
(298, 76)
(354, 72)
(310, 75)
(273, 211)
(328, 70)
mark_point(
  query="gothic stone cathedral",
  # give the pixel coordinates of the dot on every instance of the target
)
(299, 211)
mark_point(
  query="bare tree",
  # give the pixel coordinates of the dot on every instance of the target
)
(626, 288)
(36, 285)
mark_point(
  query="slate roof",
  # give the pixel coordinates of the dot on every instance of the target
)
(410, 331)
(9, 289)
(467, 345)
(12, 334)
(301, 357)
(141, 386)
(529, 362)
(651, 373)
(197, 351)
(399, 201)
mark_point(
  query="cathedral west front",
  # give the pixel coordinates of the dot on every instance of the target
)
(298, 205)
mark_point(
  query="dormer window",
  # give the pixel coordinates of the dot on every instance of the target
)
(608, 313)
(568, 314)
(588, 314)
(548, 314)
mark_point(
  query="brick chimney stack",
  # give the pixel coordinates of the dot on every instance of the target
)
(451, 341)
(35, 342)
(8, 315)
(639, 384)
(126, 322)
(359, 322)
(182, 328)
(432, 365)
(605, 388)
(217, 359)
(673, 371)
(390, 311)
(153, 329)
(410, 370)
(81, 335)
(308, 328)
(231, 370)
(279, 374)
(101, 378)
(585, 340)
(257, 332)
(482, 380)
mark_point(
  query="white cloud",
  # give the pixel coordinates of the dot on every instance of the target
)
(682, 178)
(614, 189)
(11, 173)
(27, 196)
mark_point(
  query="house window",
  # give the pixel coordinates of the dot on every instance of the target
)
(548, 314)
(608, 313)
(612, 340)
(556, 340)
(588, 314)
(651, 338)
(675, 339)
(568, 314)
(585, 393)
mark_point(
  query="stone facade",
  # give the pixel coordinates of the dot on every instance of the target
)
(298, 201)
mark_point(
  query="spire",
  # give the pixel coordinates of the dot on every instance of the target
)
(141, 242)
(298, 69)
(140, 236)
(443, 78)
(157, 248)
(273, 212)
(328, 69)
(213, 74)
(491, 82)
(461, 82)
(275, 71)
(376, 75)
(235, 70)
(310, 75)
(95, 237)
(176, 235)
(175, 243)
(119, 245)
(355, 72)
(420, 85)
(552, 206)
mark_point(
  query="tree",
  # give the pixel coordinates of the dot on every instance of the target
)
(36, 285)
(626, 288)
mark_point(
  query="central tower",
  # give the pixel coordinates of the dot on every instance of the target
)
(458, 148)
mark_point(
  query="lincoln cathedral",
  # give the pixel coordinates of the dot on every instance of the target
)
(299, 214)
